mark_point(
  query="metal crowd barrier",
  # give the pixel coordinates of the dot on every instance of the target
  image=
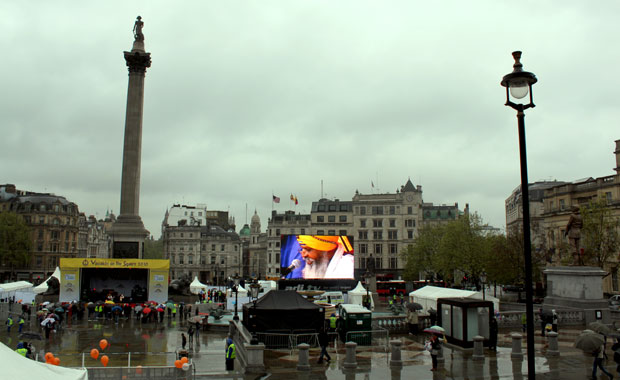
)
(141, 373)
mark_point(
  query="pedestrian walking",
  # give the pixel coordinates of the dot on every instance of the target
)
(21, 323)
(324, 342)
(435, 346)
(524, 322)
(183, 341)
(190, 333)
(599, 357)
(9, 324)
(493, 330)
(554, 321)
(230, 355)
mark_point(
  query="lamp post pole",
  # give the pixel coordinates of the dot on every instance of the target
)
(236, 279)
(483, 279)
(518, 84)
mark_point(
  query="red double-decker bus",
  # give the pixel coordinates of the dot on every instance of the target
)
(388, 288)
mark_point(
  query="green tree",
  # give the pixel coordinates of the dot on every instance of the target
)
(153, 249)
(15, 241)
(599, 235)
(458, 246)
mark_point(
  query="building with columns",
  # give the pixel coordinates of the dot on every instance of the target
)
(550, 207)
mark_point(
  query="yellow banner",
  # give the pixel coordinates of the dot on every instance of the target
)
(114, 263)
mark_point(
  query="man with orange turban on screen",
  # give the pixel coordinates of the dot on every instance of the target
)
(326, 256)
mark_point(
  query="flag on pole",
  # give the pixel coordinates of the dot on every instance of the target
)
(296, 202)
(372, 184)
(275, 199)
(292, 197)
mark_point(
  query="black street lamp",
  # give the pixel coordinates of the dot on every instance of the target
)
(518, 84)
(237, 280)
(254, 290)
(483, 280)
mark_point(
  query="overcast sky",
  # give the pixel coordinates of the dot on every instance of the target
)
(249, 98)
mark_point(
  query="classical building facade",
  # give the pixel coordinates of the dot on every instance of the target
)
(287, 223)
(550, 208)
(381, 226)
(54, 228)
(208, 252)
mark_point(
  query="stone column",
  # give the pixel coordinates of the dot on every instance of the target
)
(396, 360)
(516, 346)
(303, 363)
(478, 348)
(552, 339)
(128, 232)
(350, 360)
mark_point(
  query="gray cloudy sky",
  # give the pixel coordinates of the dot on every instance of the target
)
(246, 98)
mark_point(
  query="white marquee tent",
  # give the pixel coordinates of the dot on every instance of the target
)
(196, 286)
(15, 366)
(15, 286)
(42, 288)
(357, 294)
(428, 295)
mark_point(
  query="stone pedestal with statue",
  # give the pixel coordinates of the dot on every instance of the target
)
(577, 287)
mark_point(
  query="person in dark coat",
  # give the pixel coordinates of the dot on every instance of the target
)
(435, 347)
(324, 342)
(183, 341)
(493, 329)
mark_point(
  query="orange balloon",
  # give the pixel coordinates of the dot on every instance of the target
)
(105, 360)
(184, 360)
(94, 353)
(48, 356)
(139, 370)
(103, 344)
(178, 364)
(56, 361)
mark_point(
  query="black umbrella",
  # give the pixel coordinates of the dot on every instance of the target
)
(414, 306)
(30, 335)
(589, 342)
(601, 328)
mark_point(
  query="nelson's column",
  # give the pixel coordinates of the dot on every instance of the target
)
(128, 232)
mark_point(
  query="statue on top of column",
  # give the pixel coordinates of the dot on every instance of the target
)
(573, 231)
(137, 29)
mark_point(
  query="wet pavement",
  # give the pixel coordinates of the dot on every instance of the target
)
(135, 343)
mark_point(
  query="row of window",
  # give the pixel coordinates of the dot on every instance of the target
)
(378, 248)
(204, 247)
(381, 210)
(55, 247)
(203, 259)
(378, 234)
(54, 220)
(365, 263)
(55, 235)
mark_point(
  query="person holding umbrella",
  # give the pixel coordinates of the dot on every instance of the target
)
(599, 357)
(435, 347)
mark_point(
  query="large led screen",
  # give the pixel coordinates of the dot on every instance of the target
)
(316, 257)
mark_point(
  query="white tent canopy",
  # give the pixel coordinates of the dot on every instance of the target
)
(357, 294)
(428, 295)
(15, 366)
(42, 288)
(196, 286)
(242, 292)
(15, 286)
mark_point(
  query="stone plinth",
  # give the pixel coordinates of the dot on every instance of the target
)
(577, 288)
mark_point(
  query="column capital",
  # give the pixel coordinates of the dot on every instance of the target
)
(137, 61)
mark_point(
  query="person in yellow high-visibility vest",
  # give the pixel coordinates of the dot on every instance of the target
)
(9, 324)
(21, 349)
(21, 323)
(230, 355)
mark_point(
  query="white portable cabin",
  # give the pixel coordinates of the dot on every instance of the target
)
(427, 296)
